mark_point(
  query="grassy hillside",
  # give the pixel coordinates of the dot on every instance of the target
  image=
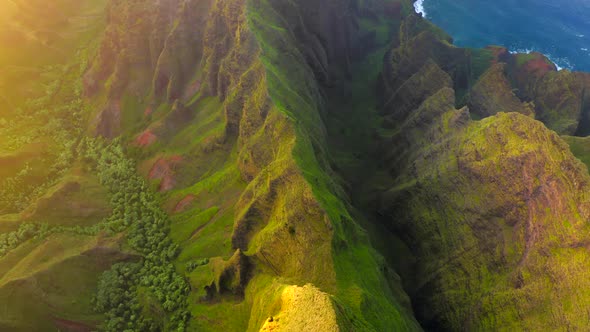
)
(239, 237)
(41, 100)
(256, 165)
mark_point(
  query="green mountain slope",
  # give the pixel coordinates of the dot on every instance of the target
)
(256, 165)
(494, 212)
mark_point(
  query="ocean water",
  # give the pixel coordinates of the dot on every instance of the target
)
(559, 29)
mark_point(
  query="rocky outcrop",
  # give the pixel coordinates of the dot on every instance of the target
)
(421, 42)
(492, 210)
(295, 303)
(227, 105)
(265, 63)
(148, 44)
(493, 94)
(150, 49)
(233, 278)
(559, 98)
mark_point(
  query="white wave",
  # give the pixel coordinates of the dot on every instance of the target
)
(584, 49)
(579, 35)
(419, 7)
(560, 62)
(521, 50)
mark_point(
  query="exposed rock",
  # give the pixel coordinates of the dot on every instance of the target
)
(428, 80)
(148, 44)
(108, 122)
(184, 204)
(493, 94)
(146, 139)
(234, 276)
(492, 210)
(164, 170)
(305, 309)
(559, 98)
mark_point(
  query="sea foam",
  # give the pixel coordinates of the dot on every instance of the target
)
(419, 7)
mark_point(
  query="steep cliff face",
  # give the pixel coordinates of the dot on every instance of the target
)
(232, 164)
(258, 68)
(493, 94)
(491, 209)
(558, 98)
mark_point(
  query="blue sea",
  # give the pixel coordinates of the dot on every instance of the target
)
(559, 29)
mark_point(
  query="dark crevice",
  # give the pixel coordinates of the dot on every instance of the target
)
(583, 129)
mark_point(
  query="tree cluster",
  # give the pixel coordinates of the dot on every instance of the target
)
(136, 211)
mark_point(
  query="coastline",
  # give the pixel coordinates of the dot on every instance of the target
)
(548, 56)
(560, 63)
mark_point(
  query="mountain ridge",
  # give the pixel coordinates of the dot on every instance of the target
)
(256, 153)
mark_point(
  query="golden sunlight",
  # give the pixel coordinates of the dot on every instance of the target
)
(7, 8)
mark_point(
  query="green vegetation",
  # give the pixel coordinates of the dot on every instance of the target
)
(191, 266)
(45, 152)
(487, 208)
(258, 152)
(44, 113)
(135, 210)
(355, 262)
(580, 147)
(523, 58)
(9, 241)
(123, 289)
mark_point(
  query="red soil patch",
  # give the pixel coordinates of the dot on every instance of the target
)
(538, 66)
(146, 138)
(71, 326)
(184, 203)
(160, 169)
(148, 111)
(163, 170)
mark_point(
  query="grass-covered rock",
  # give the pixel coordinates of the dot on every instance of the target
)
(490, 210)
(257, 165)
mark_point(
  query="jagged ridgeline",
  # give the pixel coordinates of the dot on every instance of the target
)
(274, 165)
(220, 104)
(494, 212)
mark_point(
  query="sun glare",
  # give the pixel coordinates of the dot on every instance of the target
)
(7, 8)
